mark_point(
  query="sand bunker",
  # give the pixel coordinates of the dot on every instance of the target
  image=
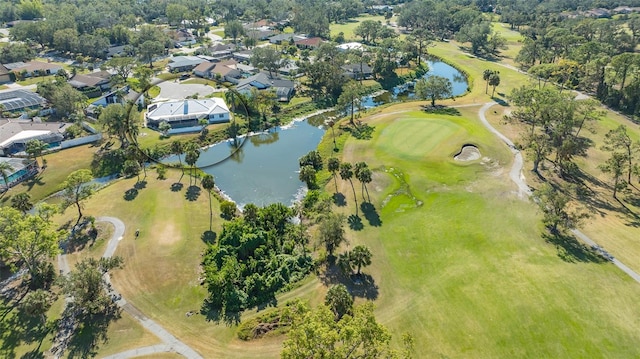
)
(468, 153)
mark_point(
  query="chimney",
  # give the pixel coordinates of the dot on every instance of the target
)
(186, 107)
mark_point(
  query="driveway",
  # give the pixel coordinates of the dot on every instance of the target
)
(171, 90)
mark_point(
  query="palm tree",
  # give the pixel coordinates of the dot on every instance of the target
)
(191, 158)
(360, 257)
(363, 174)
(177, 149)
(22, 202)
(5, 171)
(494, 81)
(346, 173)
(344, 263)
(333, 165)
(35, 148)
(486, 75)
(208, 183)
(308, 176)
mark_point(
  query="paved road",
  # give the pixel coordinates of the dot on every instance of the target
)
(525, 191)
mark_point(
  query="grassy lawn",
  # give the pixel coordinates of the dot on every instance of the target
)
(59, 165)
(468, 279)
(35, 80)
(171, 227)
(474, 67)
(348, 27)
(514, 41)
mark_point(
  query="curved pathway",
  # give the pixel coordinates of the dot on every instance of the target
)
(169, 342)
(524, 191)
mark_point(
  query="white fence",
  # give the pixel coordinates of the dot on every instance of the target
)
(80, 141)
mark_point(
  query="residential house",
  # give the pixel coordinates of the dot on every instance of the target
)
(5, 75)
(246, 70)
(351, 46)
(289, 68)
(204, 69)
(182, 37)
(100, 80)
(122, 95)
(358, 71)
(221, 51)
(21, 100)
(243, 56)
(14, 134)
(380, 9)
(185, 116)
(261, 24)
(21, 169)
(122, 50)
(598, 13)
(33, 68)
(223, 71)
(284, 89)
(260, 34)
(310, 43)
(184, 63)
(286, 38)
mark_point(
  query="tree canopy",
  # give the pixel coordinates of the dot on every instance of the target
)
(253, 260)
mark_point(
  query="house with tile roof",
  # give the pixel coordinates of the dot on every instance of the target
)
(284, 89)
(33, 68)
(185, 115)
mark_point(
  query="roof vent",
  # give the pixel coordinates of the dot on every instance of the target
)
(186, 107)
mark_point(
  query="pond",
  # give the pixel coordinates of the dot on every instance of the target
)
(458, 83)
(264, 170)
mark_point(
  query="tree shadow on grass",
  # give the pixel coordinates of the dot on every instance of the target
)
(91, 332)
(31, 182)
(176, 187)
(355, 222)
(209, 237)
(571, 250)
(130, 194)
(193, 192)
(371, 214)
(362, 286)
(140, 185)
(441, 110)
(20, 329)
(339, 199)
(218, 316)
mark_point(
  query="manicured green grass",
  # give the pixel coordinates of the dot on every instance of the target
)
(459, 260)
(59, 165)
(171, 227)
(34, 80)
(348, 27)
(474, 67)
(513, 38)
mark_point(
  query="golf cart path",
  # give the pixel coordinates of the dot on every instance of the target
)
(169, 342)
(524, 191)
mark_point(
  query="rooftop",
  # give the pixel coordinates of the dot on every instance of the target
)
(16, 163)
(31, 66)
(16, 131)
(187, 109)
(18, 99)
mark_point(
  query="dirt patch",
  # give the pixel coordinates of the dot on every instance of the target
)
(168, 235)
(468, 153)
